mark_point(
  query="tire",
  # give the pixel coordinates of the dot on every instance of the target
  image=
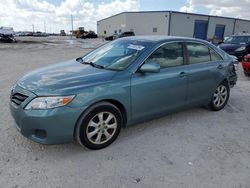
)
(99, 126)
(220, 97)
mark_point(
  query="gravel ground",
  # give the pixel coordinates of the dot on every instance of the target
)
(193, 148)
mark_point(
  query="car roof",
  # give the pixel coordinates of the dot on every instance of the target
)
(160, 38)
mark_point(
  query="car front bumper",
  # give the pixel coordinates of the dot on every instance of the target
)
(52, 126)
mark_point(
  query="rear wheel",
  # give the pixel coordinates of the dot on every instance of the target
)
(220, 97)
(99, 126)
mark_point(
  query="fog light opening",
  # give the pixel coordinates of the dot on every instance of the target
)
(40, 133)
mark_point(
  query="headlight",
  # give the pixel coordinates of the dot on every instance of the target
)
(40, 103)
(240, 49)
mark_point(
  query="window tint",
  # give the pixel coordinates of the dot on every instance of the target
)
(168, 55)
(215, 56)
(198, 53)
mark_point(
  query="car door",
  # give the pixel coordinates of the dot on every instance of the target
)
(204, 72)
(156, 93)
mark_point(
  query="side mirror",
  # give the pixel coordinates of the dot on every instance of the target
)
(150, 68)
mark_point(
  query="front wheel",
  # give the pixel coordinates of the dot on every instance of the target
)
(99, 126)
(220, 97)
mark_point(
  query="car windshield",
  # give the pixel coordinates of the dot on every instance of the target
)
(116, 55)
(237, 40)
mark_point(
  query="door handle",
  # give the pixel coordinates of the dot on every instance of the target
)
(183, 74)
(220, 66)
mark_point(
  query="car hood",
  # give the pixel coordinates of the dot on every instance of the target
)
(230, 47)
(63, 78)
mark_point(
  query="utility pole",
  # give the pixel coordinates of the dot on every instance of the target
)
(33, 27)
(72, 26)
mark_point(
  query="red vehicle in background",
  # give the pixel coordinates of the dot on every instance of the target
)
(246, 64)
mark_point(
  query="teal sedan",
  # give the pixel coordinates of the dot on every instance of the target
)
(121, 83)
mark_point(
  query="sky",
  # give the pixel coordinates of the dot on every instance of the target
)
(54, 15)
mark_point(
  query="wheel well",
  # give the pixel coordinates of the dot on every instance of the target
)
(226, 81)
(121, 107)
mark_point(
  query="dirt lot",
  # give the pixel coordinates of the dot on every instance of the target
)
(193, 148)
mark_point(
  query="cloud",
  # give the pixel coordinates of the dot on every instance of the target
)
(34, 5)
(229, 8)
(188, 7)
(21, 14)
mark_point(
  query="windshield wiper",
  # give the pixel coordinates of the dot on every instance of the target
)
(79, 59)
(93, 65)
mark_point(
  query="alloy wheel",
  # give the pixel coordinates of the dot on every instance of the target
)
(101, 128)
(220, 96)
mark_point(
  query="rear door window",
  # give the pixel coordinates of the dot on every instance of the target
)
(215, 56)
(198, 53)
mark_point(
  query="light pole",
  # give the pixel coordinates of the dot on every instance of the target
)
(44, 27)
(72, 26)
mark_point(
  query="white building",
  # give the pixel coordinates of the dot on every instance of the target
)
(172, 23)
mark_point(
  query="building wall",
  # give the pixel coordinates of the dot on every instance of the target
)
(111, 24)
(242, 26)
(145, 23)
(213, 21)
(140, 23)
(183, 24)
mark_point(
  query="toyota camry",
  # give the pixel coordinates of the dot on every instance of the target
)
(124, 82)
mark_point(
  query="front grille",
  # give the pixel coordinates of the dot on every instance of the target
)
(18, 98)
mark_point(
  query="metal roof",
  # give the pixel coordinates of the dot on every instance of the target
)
(177, 12)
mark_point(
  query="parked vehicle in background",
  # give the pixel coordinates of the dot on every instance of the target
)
(246, 64)
(31, 34)
(62, 33)
(126, 34)
(112, 37)
(81, 33)
(40, 34)
(121, 35)
(123, 82)
(7, 34)
(89, 35)
(237, 45)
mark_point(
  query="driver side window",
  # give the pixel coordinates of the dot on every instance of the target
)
(168, 55)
